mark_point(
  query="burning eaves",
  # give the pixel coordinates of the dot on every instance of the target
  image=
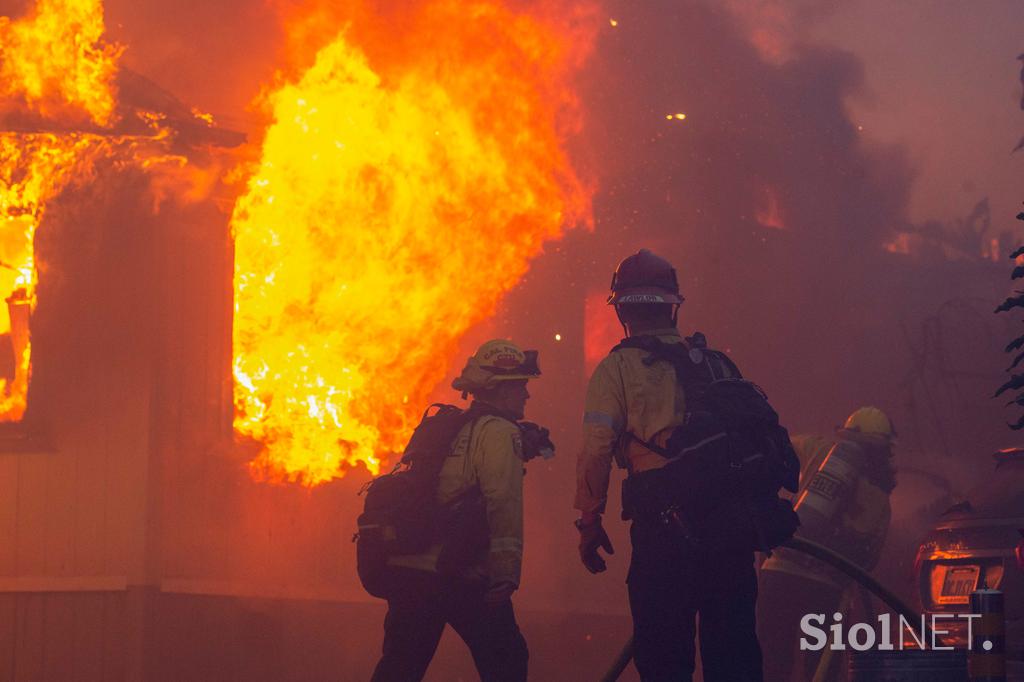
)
(143, 110)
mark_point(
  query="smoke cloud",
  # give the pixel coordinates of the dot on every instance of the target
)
(767, 196)
(718, 136)
(780, 217)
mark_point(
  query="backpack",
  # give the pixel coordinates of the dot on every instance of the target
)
(401, 514)
(730, 456)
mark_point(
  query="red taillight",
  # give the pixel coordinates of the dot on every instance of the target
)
(1020, 550)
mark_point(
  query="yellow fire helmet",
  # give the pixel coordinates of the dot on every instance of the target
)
(870, 421)
(496, 361)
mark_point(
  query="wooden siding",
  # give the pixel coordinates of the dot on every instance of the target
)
(79, 511)
(62, 637)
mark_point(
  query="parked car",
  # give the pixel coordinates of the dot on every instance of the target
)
(979, 543)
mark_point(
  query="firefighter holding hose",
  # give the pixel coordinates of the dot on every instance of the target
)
(642, 412)
(845, 485)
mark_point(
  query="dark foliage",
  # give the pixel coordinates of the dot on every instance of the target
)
(1016, 381)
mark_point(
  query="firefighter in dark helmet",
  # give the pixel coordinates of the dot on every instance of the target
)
(633, 407)
(845, 485)
(473, 595)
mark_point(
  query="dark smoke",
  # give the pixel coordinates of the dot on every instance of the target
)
(818, 312)
(814, 308)
(214, 55)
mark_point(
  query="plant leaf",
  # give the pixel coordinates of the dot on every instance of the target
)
(1014, 382)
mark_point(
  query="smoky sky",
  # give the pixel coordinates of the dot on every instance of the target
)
(808, 292)
(753, 129)
(776, 209)
(759, 138)
(941, 79)
(772, 202)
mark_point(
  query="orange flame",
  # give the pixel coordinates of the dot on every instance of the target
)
(769, 213)
(53, 64)
(393, 206)
(33, 169)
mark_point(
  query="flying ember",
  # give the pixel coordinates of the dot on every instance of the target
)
(396, 200)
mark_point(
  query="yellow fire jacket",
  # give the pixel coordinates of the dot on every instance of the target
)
(486, 453)
(859, 530)
(625, 395)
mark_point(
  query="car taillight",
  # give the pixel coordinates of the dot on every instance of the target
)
(1020, 550)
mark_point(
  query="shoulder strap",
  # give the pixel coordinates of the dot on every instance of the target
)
(477, 420)
(653, 447)
(439, 430)
(696, 367)
(696, 364)
(657, 351)
(473, 417)
(647, 343)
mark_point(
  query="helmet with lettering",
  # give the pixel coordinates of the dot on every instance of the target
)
(496, 361)
(644, 278)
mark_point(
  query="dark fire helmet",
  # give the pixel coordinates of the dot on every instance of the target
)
(644, 278)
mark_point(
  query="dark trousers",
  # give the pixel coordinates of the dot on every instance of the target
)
(422, 604)
(671, 585)
(785, 600)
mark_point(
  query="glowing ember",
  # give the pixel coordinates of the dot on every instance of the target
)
(901, 243)
(769, 213)
(394, 204)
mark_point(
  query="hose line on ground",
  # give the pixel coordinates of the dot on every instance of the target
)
(826, 556)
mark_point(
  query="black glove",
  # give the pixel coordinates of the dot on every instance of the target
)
(536, 441)
(592, 538)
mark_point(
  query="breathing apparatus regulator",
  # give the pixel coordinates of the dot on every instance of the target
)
(536, 441)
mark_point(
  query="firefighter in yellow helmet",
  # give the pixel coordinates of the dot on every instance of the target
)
(472, 594)
(636, 406)
(843, 503)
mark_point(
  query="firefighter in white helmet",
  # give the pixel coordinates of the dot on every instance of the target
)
(843, 503)
(486, 458)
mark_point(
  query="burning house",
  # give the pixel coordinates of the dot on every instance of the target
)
(219, 329)
(196, 344)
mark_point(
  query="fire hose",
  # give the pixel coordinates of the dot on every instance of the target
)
(826, 556)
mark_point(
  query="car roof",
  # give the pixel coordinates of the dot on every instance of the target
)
(1001, 495)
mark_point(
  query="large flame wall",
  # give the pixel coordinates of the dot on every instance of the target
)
(392, 207)
(130, 333)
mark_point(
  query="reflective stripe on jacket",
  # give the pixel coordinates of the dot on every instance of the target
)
(624, 395)
(486, 453)
(859, 529)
